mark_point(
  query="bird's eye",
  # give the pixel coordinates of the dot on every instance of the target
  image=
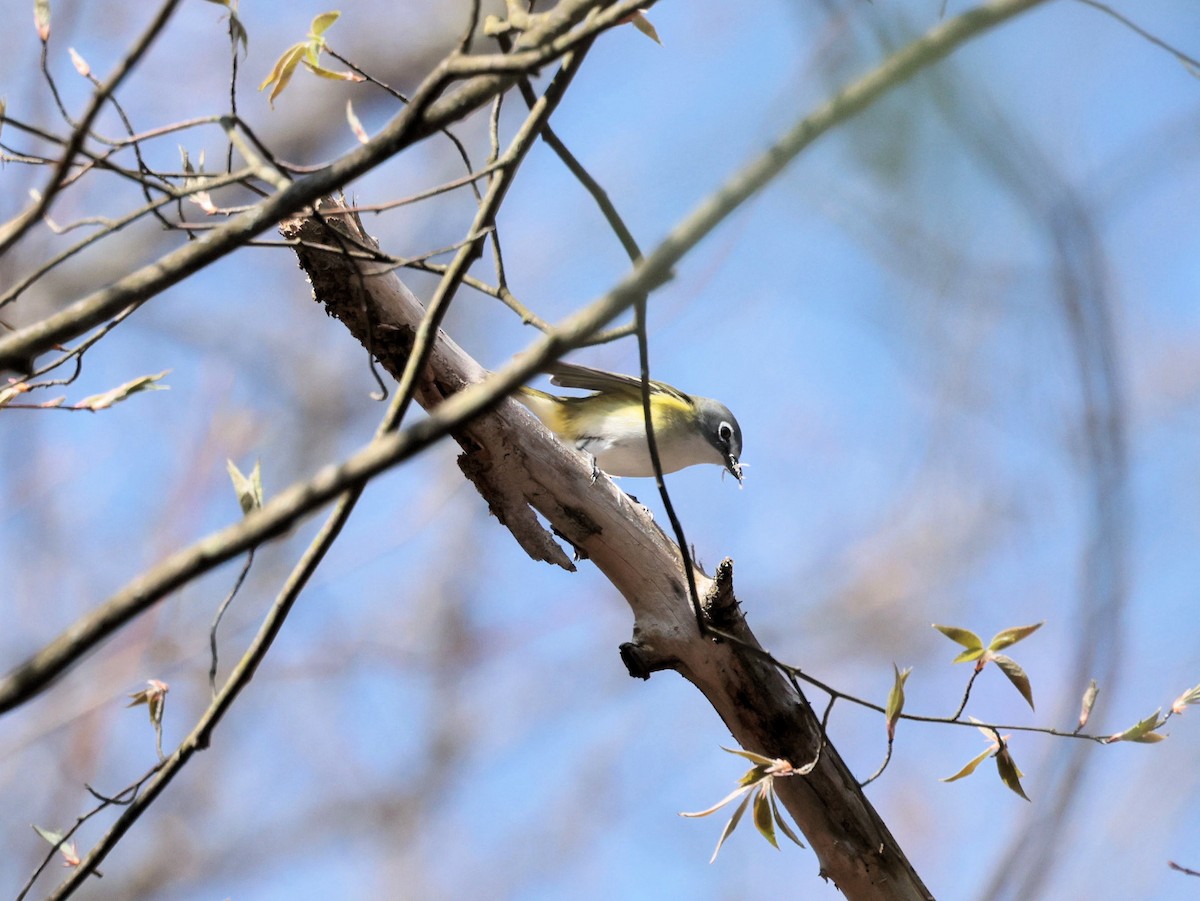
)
(725, 432)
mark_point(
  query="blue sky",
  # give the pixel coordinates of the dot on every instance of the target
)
(886, 323)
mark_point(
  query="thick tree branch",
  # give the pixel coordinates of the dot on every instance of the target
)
(518, 468)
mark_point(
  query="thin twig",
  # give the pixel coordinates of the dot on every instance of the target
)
(11, 232)
(1190, 61)
(212, 632)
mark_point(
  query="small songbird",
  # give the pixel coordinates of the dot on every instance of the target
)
(609, 424)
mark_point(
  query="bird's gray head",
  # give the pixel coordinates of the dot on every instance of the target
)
(721, 429)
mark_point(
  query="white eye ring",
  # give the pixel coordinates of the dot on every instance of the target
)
(725, 432)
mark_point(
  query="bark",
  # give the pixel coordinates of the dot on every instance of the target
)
(518, 467)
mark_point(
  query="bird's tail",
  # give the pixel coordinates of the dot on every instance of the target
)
(546, 407)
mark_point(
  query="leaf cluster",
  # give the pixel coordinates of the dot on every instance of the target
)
(757, 787)
(308, 52)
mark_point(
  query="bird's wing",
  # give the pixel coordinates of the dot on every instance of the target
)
(572, 375)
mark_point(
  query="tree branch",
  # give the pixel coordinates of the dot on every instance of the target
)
(519, 468)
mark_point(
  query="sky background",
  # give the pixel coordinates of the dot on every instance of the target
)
(891, 321)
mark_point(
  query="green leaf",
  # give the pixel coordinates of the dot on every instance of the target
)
(729, 797)
(753, 776)
(967, 656)
(1089, 701)
(764, 820)
(317, 69)
(729, 827)
(1016, 676)
(65, 848)
(782, 823)
(970, 767)
(989, 735)
(249, 489)
(750, 755)
(965, 637)
(1009, 774)
(321, 23)
(237, 31)
(121, 392)
(308, 52)
(49, 835)
(1150, 738)
(1011, 636)
(1144, 730)
(895, 701)
(284, 69)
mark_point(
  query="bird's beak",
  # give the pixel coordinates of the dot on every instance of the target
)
(734, 467)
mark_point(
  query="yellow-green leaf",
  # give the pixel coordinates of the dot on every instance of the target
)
(41, 18)
(750, 755)
(49, 835)
(730, 826)
(1187, 699)
(249, 489)
(121, 392)
(237, 32)
(782, 823)
(970, 767)
(1011, 636)
(1010, 775)
(1016, 676)
(729, 797)
(764, 821)
(965, 637)
(968, 656)
(1089, 701)
(67, 849)
(1143, 731)
(754, 775)
(321, 23)
(1150, 738)
(330, 74)
(988, 734)
(895, 701)
(284, 69)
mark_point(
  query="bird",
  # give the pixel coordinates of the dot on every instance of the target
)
(609, 424)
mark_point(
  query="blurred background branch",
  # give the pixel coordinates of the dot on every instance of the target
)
(958, 336)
